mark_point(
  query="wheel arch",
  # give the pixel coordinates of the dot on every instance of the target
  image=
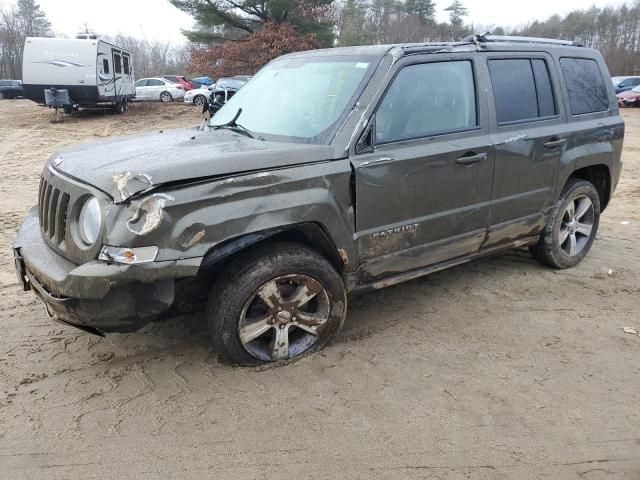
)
(599, 175)
(311, 234)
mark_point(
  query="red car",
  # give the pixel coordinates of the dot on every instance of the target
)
(630, 98)
(182, 80)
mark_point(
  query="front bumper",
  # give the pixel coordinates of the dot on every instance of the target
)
(96, 296)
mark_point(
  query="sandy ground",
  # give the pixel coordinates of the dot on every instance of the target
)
(499, 369)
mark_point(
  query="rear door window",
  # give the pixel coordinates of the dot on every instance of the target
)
(585, 85)
(522, 90)
(428, 99)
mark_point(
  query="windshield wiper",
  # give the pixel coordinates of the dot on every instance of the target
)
(235, 126)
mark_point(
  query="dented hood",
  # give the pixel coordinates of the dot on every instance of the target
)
(124, 166)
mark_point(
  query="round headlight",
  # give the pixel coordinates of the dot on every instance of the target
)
(90, 220)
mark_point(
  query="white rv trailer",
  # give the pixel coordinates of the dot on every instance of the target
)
(93, 72)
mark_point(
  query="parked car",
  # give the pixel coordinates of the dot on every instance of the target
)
(202, 82)
(11, 89)
(624, 84)
(223, 90)
(332, 171)
(158, 89)
(629, 98)
(198, 96)
(180, 79)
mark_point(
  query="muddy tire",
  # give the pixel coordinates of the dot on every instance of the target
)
(165, 97)
(572, 227)
(199, 100)
(120, 107)
(275, 303)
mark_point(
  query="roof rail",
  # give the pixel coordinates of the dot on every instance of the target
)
(488, 38)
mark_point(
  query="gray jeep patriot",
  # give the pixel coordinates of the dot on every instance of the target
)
(331, 171)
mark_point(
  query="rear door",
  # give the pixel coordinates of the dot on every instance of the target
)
(529, 135)
(423, 194)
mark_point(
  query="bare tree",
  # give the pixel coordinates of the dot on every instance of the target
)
(152, 58)
(17, 22)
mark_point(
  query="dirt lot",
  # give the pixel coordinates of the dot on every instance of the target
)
(499, 369)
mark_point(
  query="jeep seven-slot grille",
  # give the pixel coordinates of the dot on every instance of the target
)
(53, 210)
(58, 201)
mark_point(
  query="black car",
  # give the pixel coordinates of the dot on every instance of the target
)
(223, 90)
(11, 89)
(332, 171)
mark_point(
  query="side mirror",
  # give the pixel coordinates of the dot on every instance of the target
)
(367, 141)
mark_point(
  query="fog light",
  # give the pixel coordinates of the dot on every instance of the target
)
(128, 256)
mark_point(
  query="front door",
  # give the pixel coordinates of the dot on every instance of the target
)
(423, 194)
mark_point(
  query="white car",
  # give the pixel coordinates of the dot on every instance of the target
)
(198, 96)
(158, 89)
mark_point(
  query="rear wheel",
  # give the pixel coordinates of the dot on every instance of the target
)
(199, 100)
(275, 303)
(166, 97)
(120, 107)
(572, 228)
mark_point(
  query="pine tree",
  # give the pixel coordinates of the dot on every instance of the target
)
(220, 20)
(457, 11)
(425, 9)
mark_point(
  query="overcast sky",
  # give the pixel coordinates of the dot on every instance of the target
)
(159, 20)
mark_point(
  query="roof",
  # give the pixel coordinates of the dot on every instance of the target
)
(474, 42)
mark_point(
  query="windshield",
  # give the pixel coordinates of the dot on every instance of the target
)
(298, 100)
(617, 80)
(636, 89)
(230, 83)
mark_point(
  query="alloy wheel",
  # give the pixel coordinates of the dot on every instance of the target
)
(577, 225)
(284, 317)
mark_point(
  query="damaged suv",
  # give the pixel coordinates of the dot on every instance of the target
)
(361, 168)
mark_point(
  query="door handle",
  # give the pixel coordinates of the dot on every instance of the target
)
(555, 142)
(471, 158)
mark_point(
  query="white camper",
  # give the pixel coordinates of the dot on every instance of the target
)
(83, 72)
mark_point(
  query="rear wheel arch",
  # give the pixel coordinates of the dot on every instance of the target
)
(599, 176)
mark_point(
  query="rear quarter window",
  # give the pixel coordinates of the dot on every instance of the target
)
(585, 85)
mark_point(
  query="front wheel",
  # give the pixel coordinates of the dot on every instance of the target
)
(275, 303)
(166, 97)
(199, 100)
(571, 230)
